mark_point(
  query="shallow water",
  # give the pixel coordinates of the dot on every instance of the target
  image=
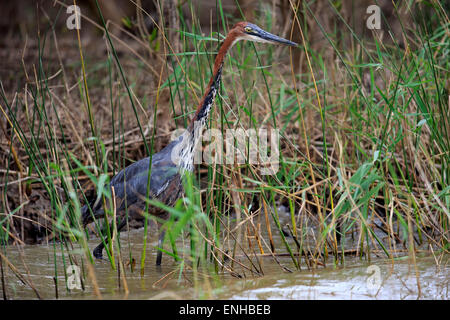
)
(358, 279)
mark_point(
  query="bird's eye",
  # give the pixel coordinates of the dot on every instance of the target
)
(248, 29)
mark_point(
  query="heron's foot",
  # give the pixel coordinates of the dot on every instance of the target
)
(98, 252)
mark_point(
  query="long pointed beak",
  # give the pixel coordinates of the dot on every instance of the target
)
(275, 39)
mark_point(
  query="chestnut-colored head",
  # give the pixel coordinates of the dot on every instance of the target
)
(241, 31)
(248, 31)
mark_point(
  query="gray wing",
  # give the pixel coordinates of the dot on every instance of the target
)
(131, 182)
(133, 179)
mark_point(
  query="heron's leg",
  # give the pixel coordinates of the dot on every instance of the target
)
(160, 244)
(98, 251)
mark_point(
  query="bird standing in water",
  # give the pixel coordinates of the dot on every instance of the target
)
(169, 165)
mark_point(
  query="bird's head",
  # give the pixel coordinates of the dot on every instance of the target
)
(248, 31)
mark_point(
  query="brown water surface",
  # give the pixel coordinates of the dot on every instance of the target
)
(398, 279)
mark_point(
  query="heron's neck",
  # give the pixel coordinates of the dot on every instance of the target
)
(195, 128)
(203, 109)
(202, 114)
(193, 134)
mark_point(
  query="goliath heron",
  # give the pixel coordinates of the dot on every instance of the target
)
(169, 165)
